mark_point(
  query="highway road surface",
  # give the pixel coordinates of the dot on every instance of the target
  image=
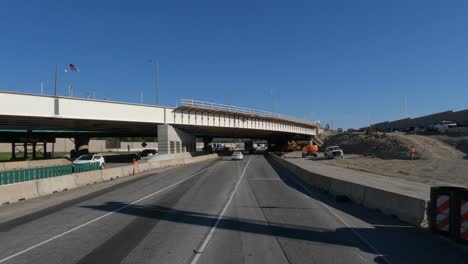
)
(211, 212)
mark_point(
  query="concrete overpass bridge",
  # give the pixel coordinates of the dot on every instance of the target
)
(31, 118)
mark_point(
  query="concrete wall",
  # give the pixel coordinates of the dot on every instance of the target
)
(173, 140)
(66, 145)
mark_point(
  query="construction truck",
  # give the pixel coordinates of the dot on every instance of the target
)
(310, 150)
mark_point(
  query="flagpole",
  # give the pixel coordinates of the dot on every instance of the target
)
(56, 77)
(157, 82)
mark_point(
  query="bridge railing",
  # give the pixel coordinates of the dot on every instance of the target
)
(244, 110)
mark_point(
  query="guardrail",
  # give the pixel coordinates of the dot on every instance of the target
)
(23, 175)
(243, 110)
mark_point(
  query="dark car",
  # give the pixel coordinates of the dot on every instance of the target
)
(147, 152)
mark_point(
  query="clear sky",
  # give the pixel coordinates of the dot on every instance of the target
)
(322, 60)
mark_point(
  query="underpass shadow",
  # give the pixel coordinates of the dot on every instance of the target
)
(400, 242)
(340, 236)
(401, 252)
(390, 239)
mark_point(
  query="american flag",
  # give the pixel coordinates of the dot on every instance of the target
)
(72, 67)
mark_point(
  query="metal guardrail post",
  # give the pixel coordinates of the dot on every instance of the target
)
(21, 175)
(2, 177)
(11, 177)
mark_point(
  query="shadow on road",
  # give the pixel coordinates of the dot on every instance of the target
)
(393, 239)
(396, 241)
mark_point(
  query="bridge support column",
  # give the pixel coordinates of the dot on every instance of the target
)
(172, 140)
(206, 142)
(81, 146)
(13, 151)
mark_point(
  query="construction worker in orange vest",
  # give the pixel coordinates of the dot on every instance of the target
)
(412, 152)
(314, 149)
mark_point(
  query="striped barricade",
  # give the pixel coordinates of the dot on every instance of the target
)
(443, 212)
(463, 220)
(440, 210)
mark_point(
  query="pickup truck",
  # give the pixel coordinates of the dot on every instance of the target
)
(444, 125)
(333, 151)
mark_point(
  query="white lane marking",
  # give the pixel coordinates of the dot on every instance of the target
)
(213, 228)
(363, 240)
(264, 179)
(99, 218)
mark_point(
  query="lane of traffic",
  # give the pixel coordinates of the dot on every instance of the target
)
(39, 230)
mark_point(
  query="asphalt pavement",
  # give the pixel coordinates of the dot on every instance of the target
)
(213, 212)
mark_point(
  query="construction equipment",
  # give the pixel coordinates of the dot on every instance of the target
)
(310, 150)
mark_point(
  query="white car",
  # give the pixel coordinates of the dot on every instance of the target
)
(444, 125)
(237, 155)
(90, 158)
(333, 151)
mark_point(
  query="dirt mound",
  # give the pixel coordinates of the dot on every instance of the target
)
(396, 146)
(460, 143)
(386, 147)
(440, 160)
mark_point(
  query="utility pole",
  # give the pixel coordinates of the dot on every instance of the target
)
(56, 78)
(42, 87)
(141, 97)
(94, 95)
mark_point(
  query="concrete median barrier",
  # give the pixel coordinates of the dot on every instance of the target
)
(55, 184)
(171, 163)
(19, 191)
(112, 173)
(189, 160)
(30, 189)
(142, 167)
(407, 208)
(86, 178)
(154, 165)
(129, 170)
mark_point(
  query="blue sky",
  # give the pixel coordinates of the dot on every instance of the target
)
(322, 60)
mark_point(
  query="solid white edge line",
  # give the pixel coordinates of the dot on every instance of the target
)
(213, 228)
(363, 240)
(99, 218)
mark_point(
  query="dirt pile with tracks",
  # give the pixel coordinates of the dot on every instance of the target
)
(440, 160)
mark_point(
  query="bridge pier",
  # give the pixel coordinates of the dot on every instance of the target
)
(172, 140)
(206, 142)
(81, 146)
